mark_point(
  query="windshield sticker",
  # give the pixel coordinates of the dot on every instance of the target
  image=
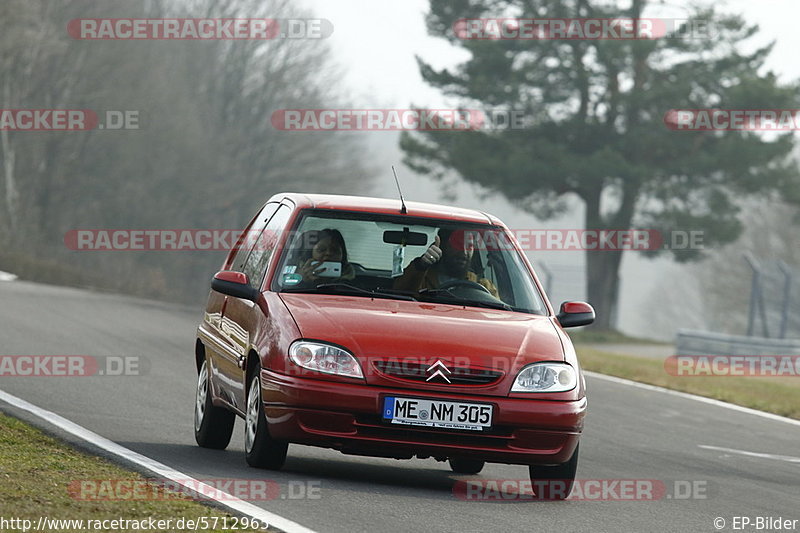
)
(292, 279)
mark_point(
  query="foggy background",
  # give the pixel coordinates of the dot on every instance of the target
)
(378, 40)
(207, 157)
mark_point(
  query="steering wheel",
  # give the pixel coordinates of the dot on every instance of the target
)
(464, 283)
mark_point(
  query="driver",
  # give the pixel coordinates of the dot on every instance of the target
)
(440, 264)
(328, 246)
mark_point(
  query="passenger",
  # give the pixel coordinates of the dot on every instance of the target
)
(442, 263)
(328, 246)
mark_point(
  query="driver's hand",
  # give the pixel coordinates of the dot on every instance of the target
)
(433, 254)
(310, 270)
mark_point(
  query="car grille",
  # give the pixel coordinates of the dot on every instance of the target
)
(419, 373)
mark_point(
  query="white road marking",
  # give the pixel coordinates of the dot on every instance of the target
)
(787, 458)
(235, 504)
(696, 398)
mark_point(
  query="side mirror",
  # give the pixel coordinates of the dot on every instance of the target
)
(575, 314)
(234, 284)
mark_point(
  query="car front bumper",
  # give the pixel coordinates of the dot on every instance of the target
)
(347, 417)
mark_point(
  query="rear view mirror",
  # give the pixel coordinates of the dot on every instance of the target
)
(405, 237)
(574, 314)
(234, 284)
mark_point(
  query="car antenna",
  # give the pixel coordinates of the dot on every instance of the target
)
(403, 209)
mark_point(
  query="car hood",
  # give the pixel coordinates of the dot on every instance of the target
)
(383, 329)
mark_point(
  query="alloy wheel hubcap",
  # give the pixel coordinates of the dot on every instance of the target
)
(251, 422)
(200, 400)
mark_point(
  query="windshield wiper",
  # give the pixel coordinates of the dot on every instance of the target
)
(348, 288)
(465, 301)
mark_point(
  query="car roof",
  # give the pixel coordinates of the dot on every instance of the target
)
(386, 206)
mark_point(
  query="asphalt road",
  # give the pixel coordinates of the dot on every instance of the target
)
(631, 433)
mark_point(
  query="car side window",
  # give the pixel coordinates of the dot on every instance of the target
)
(249, 240)
(256, 265)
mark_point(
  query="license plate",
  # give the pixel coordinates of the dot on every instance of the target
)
(436, 413)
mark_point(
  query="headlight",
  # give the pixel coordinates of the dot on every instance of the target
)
(325, 358)
(546, 377)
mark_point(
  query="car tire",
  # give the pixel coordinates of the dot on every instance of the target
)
(554, 482)
(466, 466)
(261, 450)
(213, 426)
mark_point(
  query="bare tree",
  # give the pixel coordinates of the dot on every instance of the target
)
(205, 153)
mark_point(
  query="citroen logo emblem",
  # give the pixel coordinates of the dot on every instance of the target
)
(438, 369)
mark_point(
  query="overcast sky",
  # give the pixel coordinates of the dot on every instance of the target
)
(376, 41)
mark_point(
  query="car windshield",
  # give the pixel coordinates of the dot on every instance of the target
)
(388, 256)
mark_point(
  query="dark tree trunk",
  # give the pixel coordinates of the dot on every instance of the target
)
(602, 266)
(602, 286)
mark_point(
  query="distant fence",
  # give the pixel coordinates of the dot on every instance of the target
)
(562, 282)
(773, 319)
(774, 300)
(689, 342)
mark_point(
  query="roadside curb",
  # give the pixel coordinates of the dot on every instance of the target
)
(231, 503)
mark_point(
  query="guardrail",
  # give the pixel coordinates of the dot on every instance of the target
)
(690, 342)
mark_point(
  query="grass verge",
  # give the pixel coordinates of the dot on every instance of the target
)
(36, 472)
(780, 396)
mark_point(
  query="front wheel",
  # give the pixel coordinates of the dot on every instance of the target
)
(213, 426)
(554, 482)
(261, 450)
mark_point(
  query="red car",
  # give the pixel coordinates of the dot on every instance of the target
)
(384, 329)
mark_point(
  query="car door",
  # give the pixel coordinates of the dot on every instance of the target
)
(226, 347)
(241, 316)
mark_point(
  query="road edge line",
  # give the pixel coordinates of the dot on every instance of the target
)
(703, 399)
(235, 504)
